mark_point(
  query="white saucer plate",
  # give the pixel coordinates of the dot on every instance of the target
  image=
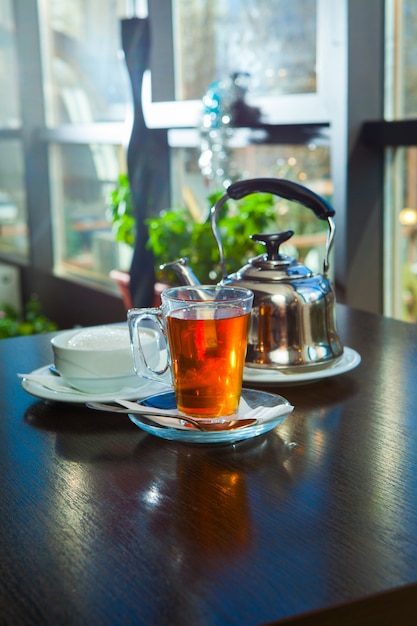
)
(347, 362)
(166, 429)
(67, 394)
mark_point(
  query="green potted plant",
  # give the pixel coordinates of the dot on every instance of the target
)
(32, 322)
(121, 211)
(121, 215)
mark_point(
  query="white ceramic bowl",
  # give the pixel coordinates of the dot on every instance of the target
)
(99, 359)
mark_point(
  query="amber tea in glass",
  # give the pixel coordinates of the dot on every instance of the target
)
(206, 330)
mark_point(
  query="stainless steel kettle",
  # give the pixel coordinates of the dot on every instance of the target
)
(293, 320)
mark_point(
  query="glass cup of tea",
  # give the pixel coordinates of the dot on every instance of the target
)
(205, 330)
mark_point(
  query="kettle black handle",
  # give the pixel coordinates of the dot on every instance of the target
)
(280, 187)
(284, 188)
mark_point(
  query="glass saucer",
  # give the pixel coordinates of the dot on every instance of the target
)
(166, 428)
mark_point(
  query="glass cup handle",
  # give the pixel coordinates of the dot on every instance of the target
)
(136, 317)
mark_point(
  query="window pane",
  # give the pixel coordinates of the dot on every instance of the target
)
(402, 237)
(215, 39)
(400, 216)
(408, 43)
(81, 179)
(9, 107)
(13, 224)
(86, 77)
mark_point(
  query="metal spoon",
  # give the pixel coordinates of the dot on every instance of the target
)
(147, 412)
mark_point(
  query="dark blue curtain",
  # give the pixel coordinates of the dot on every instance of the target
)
(147, 161)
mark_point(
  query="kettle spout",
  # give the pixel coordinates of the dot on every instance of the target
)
(184, 272)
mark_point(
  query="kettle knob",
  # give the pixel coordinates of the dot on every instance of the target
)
(272, 243)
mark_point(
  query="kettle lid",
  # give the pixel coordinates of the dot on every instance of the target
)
(273, 266)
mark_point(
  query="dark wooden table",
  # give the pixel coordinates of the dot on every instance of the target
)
(313, 523)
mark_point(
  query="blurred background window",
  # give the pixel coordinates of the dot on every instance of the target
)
(77, 107)
(400, 289)
(82, 177)
(85, 75)
(86, 85)
(13, 210)
(9, 107)
(13, 219)
(274, 41)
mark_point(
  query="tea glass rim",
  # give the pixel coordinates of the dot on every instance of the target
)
(240, 293)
